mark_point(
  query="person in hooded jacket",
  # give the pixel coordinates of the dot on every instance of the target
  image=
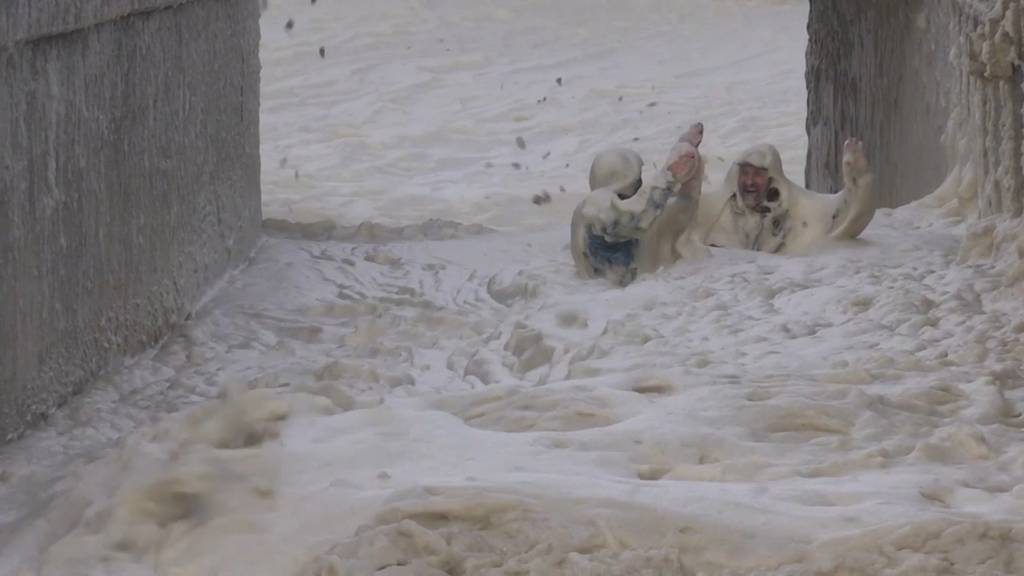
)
(615, 231)
(759, 208)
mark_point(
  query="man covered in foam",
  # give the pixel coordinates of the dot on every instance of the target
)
(758, 208)
(617, 229)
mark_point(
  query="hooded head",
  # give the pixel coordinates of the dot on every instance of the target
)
(619, 169)
(757, 181)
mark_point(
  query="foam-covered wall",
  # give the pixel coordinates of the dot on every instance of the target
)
(935, 88)
(877, 70)
(129, 180)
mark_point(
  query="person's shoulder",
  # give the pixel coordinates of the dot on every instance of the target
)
(715, 198)
(597, 203)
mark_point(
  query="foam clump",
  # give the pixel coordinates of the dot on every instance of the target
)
(372, 232)
(493, 534)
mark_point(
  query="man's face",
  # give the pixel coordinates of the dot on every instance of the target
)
(753, 185)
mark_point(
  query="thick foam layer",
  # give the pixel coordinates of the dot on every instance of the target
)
(409, 407)
(741, 414)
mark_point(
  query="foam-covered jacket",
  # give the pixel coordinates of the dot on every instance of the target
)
(791, 220)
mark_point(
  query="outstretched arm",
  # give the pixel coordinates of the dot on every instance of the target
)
(855, 203)
(624, 219)
(617, 219)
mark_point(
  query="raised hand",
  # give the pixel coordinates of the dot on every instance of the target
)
(855, 203)
(855, 162)
(683, 165)
(694, 134)
(684, 159)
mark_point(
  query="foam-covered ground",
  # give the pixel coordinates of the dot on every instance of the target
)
(414, 110)
(401, 398)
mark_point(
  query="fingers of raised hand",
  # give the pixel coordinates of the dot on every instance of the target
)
(854, 157)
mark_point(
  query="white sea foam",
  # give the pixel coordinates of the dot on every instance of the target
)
(457, 402)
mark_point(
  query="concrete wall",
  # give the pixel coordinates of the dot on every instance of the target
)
(933, 86)
(129, 180)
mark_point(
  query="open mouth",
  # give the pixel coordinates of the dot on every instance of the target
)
(753, 200)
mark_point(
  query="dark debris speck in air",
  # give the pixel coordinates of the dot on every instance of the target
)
(289, 24)
(558, 80)
(323, 52)
(521, 143)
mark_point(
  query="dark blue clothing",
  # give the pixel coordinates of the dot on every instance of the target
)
(605, 254)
